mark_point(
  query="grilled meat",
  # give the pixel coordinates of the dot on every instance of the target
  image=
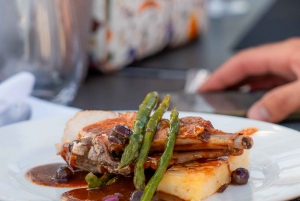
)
(97, 147)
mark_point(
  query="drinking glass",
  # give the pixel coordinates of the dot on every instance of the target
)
(49, 39)
(221, 8)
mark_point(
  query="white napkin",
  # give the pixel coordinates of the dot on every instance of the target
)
(16, 104)
(15, 90)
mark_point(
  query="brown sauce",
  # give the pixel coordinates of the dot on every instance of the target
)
(43, 175)
(106, 126)
(123, 186)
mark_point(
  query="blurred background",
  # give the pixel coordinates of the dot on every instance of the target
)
(200, 35)
(107, 54)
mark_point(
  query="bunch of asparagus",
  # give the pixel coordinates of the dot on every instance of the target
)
(139, 145)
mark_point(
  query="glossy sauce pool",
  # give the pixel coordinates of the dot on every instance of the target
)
(43, 175)
(123, 187)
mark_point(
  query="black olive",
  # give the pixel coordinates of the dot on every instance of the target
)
(120, 134)
(240, 176)
(63, 173)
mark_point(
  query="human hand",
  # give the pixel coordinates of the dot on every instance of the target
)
(268, 66)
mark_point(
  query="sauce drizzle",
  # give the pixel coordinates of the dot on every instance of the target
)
(123, 186)
(249, 131)
(43, 175)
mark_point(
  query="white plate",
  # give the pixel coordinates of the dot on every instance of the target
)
(274, 159)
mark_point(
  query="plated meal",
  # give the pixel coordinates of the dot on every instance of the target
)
(142, 156)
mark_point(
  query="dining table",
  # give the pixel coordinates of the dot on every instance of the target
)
(167, 70)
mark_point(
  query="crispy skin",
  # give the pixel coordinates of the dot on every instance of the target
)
(194, 134)
(90, 149)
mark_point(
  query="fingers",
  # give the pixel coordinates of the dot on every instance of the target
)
(266, 59)
(265, 82)
(277, 104)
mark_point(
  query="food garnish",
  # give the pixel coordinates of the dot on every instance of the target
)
(165, 158)
(139, 175)
(117, 139)
(95, 182)
(131, 151)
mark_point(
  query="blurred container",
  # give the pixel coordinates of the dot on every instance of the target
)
(47, 38)
(221, 8)
(124, 31)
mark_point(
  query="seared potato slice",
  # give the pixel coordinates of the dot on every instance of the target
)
(239, 161)
(195, 180)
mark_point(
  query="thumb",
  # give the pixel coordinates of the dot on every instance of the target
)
(277, 104)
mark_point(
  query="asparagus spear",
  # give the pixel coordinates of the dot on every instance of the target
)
(139, 176)
(131, 151)
(165, 158)
(95, 182)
